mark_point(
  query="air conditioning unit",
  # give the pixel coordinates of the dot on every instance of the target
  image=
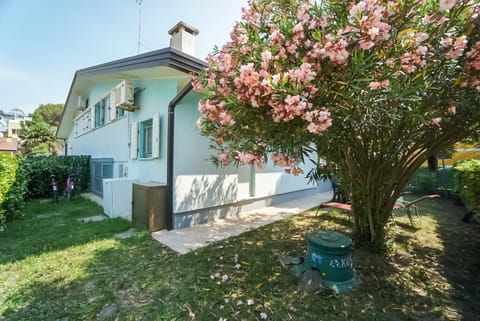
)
(81, 103)
(124, 96)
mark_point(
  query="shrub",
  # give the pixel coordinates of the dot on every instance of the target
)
(425, 181)
(40, 168)
(12, 188)
(467, 182)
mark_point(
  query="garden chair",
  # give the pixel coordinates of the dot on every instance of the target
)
(411, 206)
(408, 206)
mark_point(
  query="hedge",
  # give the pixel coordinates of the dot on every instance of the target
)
(425, 181)
(40, 168)
(12, 188)
(29, 177)
(467, 182)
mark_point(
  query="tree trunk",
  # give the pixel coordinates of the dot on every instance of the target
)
(373, 190)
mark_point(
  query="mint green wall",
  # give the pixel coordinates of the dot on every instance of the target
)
(100, 89)
(155, 98)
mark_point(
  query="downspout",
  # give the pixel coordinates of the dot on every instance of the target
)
(170, 150)
(65, 142)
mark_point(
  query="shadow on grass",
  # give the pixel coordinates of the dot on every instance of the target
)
(460, 258)
(58, 229)
(147, 281)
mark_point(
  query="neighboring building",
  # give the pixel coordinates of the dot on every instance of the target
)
(10, 122)
(8, 146)
(118, 113)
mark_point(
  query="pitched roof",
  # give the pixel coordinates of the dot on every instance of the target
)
(167, 62)
(8, 144)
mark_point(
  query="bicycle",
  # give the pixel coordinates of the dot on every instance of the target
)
(70, 188)
(53, 183)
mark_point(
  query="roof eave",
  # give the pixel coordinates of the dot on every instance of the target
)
(166, 57)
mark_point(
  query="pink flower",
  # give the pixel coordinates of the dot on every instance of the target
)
(390, 62)
(197, 86)
(446, 5)
(224, 159)
(245, 158)
(373, 32)
(427, 19)
(409, 68)
(421, 37)
(446, 42)
(436, 121)
(421, 50)
(374, 85)
(266, 56)
(452, 109)
(443, 20)
(366, 44)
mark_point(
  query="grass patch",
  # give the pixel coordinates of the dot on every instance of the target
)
(59, 269)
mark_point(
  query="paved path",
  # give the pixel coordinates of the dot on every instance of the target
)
(188, 239)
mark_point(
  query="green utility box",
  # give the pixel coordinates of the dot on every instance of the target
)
(330, 253)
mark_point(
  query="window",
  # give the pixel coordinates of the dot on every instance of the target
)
(120, 112)
(146, 139)
(101, 111)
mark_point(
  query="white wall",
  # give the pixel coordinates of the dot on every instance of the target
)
(198, 183)
(110, 140)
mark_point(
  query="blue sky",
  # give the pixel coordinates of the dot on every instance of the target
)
(43, 42)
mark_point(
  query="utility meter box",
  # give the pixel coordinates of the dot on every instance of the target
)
(149, 205)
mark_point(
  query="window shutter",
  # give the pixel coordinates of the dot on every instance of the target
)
(134, 140)
(113, 109)
(92, 117)
(156, 136)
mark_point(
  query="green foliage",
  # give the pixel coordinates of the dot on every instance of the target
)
(425, 181)
(36, 133)
(8, 167)
(49, 113)
(12, 188)
(467, 182)
(40, 168)
(370, 86)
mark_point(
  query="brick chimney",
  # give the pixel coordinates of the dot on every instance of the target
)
(184, 38)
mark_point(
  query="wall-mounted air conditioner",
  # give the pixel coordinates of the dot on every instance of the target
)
(81, 103)
(124, 96)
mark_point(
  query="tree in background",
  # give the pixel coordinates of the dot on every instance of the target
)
(49, 113)
(375, 87)
(38, 136)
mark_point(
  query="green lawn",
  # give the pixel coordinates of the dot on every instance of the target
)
(60, 269)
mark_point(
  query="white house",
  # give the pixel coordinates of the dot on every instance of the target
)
(136, 118)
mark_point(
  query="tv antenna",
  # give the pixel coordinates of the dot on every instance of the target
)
(139, 2)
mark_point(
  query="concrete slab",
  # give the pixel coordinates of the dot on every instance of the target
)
(189, 239)
(93, 197)
(89, 219)
(50, 215)
(126, 234)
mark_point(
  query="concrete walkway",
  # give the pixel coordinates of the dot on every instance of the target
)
(189, 239)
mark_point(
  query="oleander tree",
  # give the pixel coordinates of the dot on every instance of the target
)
(376, 87)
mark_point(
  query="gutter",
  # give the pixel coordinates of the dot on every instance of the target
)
(170, 150)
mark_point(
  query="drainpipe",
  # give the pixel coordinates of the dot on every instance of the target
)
(170, 149)
(65, 142)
